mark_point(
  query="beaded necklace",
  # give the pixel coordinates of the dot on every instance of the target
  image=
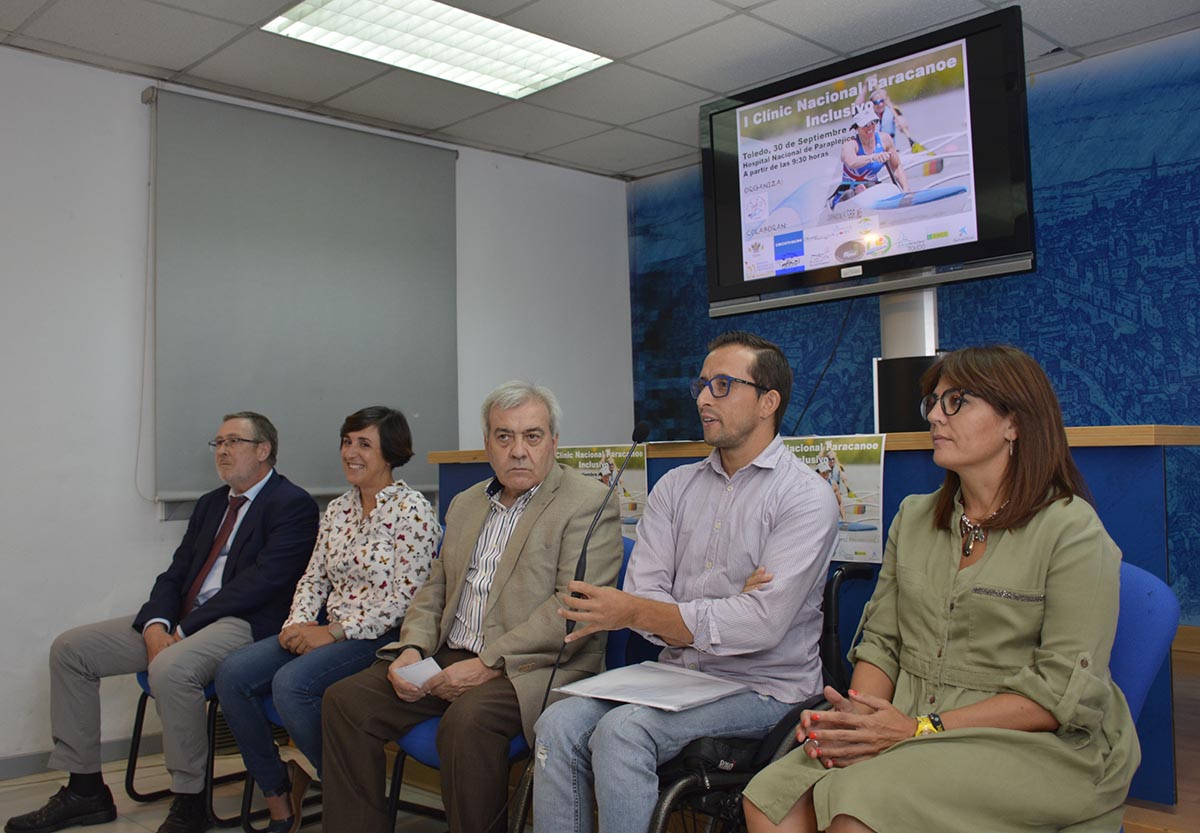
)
(973, 532)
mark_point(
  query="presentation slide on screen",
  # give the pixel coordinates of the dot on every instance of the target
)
(869, 165)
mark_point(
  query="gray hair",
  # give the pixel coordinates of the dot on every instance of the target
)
(516, 393)
(263, 430)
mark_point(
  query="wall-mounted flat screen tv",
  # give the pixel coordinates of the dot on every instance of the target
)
(904, 167)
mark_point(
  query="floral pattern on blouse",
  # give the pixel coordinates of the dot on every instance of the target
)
(365, 571)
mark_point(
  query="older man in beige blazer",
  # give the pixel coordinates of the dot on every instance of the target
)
(488, 615)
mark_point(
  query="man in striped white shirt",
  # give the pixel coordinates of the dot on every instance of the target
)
(488, 615)
(727, 576)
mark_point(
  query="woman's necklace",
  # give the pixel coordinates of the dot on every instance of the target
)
(973, 532)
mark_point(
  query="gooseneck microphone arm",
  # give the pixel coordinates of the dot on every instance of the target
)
(640, 432)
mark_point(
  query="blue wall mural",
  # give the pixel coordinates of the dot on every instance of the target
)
(1111, 312)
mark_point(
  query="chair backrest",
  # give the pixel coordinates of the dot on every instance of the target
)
(833, 658)
(1146, 623)
(618, 641)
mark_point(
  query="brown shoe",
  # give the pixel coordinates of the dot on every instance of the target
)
(300, 780)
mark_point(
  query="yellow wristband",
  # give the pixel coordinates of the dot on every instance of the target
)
(924, 726)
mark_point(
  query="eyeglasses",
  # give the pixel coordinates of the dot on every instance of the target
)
(720, 385)
(951, 400)
(877, 101)
(232, 442)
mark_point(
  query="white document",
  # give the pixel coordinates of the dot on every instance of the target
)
(654, 684)
(418, 672)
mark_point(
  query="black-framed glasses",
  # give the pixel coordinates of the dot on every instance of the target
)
(720, 385)
(951, 400)
(232, 442)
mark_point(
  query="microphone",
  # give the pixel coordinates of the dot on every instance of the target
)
(640, 432)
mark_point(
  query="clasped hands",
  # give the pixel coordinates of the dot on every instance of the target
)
(855, 729)
(302, 637)
(449, 684)
(158, 639)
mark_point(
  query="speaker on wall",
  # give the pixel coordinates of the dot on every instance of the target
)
(898, 393)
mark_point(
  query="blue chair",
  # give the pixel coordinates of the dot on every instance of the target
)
(420, 742)
(1146, 623)
(1147, 618)
(135, 745)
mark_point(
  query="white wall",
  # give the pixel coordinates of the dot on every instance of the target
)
(543, 292)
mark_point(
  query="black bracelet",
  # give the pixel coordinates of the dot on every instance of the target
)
(936, 720)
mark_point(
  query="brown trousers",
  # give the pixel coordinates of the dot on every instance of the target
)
(362, 712)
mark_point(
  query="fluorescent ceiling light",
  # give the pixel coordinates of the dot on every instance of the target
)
(438, 40)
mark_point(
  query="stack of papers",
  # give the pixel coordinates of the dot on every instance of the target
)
(654, 684)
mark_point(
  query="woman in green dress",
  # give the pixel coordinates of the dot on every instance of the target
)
(981, 698)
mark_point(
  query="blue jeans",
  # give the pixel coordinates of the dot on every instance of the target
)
(297, 683)
(613, 749)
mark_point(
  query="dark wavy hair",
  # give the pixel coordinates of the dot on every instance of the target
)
(1040, 470)
(395, 438)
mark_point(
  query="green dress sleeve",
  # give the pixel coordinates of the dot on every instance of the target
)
(1069, 674)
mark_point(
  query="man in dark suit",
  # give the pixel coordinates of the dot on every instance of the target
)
(229, 583)
(489, 615)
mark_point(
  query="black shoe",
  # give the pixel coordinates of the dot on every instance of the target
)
(65, 809)
(188, 814)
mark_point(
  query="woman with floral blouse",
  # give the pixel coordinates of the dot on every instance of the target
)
(374, 550)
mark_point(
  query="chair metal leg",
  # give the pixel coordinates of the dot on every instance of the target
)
(210, 781)
(249, 815)
(135, 745)
(522, 798)
(396, 804)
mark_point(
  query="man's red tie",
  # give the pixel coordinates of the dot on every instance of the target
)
(235, 504)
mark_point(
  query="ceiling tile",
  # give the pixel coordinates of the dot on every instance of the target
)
(416, 99)
(286, 67)
(669, 165)
(682, 125)
(1075, 24)
(617, 150)
(1036, 46)
(70, 53)
(1150, 33)
(239, 11)
(616, 28)
(14, 12)
(133, 30)
(1054, 60)
(524, 128)
(495, 9)
(888, 21)
(732, 55)
(618, 94)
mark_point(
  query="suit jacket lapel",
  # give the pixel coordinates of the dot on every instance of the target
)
(466, 533)
(516, 542)
(253, 515)
(208, 534)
